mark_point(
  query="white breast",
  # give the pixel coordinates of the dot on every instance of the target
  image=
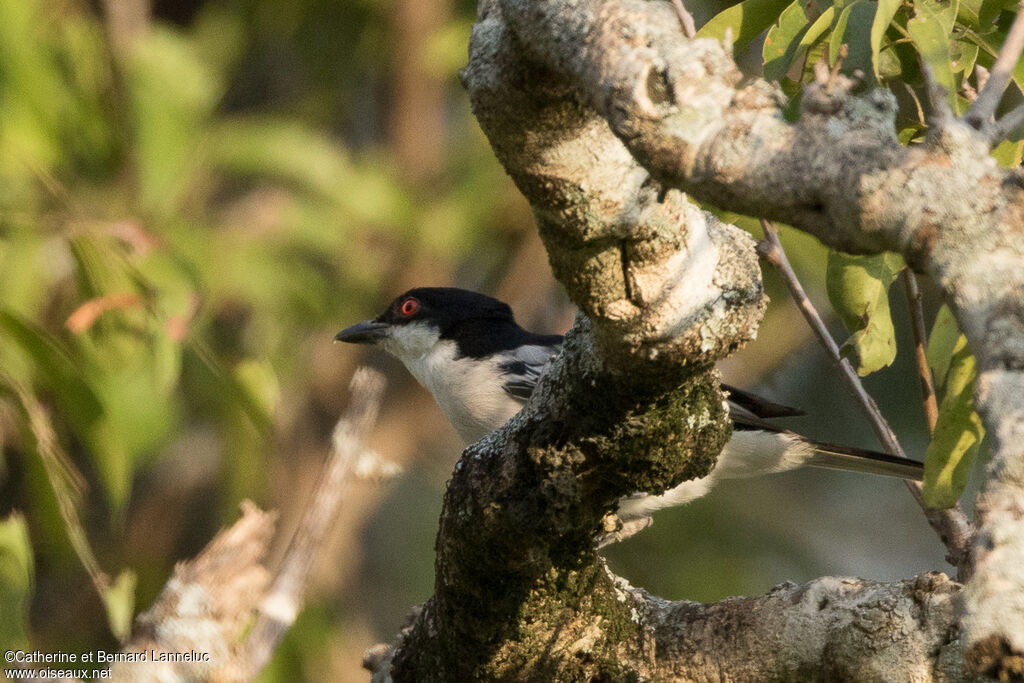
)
(468, 391)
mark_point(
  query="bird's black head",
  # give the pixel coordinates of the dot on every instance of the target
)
(419, 318)
(446, 308)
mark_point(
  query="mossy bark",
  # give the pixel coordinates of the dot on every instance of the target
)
(520, 592)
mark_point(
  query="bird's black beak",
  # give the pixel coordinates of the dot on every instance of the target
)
(366, 332)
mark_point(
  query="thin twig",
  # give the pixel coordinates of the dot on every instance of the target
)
(924, 373)
(981, 76)
(983, 108)
(940, 113)
(283, 602)
(1003, 127)
(64, 478)
(844, 52)
(771, 250)
(686, 19)
(951, 525)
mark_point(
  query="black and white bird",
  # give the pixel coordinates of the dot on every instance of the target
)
(481, 367)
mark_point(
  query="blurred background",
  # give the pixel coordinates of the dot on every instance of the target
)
(194, 197)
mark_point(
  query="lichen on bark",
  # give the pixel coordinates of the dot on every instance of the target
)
(518, 582)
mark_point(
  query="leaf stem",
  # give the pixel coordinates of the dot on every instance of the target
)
(924, 373)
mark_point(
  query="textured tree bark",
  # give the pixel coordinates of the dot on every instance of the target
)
(602, 113)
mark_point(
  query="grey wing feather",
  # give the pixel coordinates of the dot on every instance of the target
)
(758, 405)
(749, 411)
(524, 369)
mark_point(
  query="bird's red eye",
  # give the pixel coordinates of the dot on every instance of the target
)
(410, 306)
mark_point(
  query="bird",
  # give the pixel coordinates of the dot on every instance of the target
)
(481, 367)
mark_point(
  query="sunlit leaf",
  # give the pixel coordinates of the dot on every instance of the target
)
(913, 131)
(958, 433)
(747, 20)
(930, 30)
(879, 25)
(817, 29)
(858, 287)
(119, 602)
(941, 343)
(1008, 153)
(852, 30)
(166, 362)
(964, 56)
(989, 44)
(989, 11)
(782, 45)
(102, 269)
(17, 571)
(968, 13)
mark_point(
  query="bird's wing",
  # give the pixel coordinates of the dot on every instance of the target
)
(525, 367)
(758, 405)
(750, 411)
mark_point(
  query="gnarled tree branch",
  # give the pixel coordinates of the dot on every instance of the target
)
(679, 108)
(601, 112)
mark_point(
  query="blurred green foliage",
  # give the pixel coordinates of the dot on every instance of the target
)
(188, 205)
(170, 233)
(16, 575)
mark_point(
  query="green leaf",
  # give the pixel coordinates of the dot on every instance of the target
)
(747, 21)
(1008, 153)
(102, 267)
(816, 53)
(989, 44)
(858, 287)
(879, 25)
(852, 30)
(817, 29)
(958, 432)
(233, 387)
(119, 602)
(16, 575)
(968, 13)
(913, 131)
(941, 343)
(930, 30)
(989, 11)
(964, 56)
(783, 43)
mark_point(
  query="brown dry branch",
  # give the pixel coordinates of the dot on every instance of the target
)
(222, 615)
(283, 602)
(194, 629)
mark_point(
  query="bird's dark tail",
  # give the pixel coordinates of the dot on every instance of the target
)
(831, 456)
